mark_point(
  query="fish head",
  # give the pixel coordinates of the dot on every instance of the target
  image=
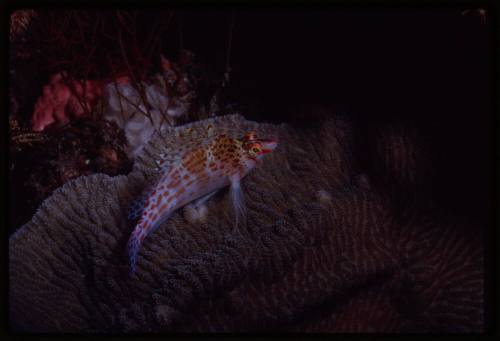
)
(255, 147)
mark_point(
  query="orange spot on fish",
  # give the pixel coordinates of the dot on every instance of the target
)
(173, 184)
(180, 191)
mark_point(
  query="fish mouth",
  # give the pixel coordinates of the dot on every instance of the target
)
(268, 146)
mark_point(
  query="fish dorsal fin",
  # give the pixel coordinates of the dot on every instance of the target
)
(167, 148)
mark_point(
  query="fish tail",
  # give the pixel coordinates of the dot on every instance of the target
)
(136, 207)
(133, 246)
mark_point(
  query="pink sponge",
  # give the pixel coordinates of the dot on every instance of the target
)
(60, 100)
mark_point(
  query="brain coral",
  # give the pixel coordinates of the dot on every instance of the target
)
(320, 251)
(399, 160)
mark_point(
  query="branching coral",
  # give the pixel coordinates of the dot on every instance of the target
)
(340, 259)
(147, 107)
(140, 109)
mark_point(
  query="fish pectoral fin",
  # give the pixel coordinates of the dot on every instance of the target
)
(237, 199)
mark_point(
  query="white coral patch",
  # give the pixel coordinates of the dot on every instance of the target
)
(196, 214)
(156, 98)
(123, 98)
(129, 111)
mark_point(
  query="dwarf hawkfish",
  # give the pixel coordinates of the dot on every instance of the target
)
(220, 160)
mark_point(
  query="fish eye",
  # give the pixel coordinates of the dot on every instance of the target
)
(256, 149)
(250, 136)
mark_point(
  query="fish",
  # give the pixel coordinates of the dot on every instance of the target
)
(199, 173)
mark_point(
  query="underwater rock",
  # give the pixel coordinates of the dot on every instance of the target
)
(296, 256)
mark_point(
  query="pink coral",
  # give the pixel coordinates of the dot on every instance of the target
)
(60, 100)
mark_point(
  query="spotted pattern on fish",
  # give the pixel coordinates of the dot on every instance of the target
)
(219, 162)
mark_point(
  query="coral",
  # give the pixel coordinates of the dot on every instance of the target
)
(41, 162)
(195, 214)
(167, 97)
(438, 286)
(443, 274)
(399, 162)
(127, 109)
(342, 260)
(63, 99)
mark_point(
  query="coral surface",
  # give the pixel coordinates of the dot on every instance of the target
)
(320, 251)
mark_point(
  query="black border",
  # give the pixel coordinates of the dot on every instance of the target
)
(491, 260)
